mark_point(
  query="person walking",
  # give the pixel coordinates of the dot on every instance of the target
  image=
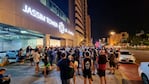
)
(101, 68)
(87, 68)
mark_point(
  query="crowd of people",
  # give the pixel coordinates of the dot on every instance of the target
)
(85, 61)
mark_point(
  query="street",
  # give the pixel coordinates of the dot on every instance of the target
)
(141, 55)
(130, 71)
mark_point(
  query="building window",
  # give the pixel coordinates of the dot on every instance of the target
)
(44, 2)
(55, 9)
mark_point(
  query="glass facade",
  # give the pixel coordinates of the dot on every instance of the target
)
(55, 9)
(14, 38)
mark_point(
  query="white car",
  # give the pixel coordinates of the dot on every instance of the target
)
(144, 72)
(126, 57)
(2, 54)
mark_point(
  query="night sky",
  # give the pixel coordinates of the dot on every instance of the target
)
(118, 15)
(63, 5)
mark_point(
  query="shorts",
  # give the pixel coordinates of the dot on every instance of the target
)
(87, 74)
(37, 63)
(112, 64)
(31, 60)
(101, 73)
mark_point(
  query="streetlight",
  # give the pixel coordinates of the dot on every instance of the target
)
(112, 32)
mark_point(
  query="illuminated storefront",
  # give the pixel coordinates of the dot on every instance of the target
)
(34, 24)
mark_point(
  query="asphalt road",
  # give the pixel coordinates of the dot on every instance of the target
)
(141, 55)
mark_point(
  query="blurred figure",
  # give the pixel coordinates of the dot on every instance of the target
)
(112, 63)
(94, 56)
(47, 66)
(58, 54)
(117, 54)
(51, 55)
(87, 68)
(102, 60)
(36, 57)
(20, 56)
(74, 64)
(4, 79)
(77, 58)
(63, 67)
(31, 57)
(28, 51)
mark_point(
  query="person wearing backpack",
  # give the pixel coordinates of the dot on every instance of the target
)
(87, 68)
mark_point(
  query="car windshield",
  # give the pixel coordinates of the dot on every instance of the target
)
(125, 53)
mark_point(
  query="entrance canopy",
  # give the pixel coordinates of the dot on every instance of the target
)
(8, 32)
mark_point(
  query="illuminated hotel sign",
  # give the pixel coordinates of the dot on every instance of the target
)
(40, 16)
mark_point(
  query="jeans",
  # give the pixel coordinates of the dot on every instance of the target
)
(65, 81)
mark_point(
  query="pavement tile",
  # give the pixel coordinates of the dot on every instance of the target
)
(25, 75)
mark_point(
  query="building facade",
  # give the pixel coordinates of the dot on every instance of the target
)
(88, 31)
(78, 15)
(118, 38)
(34, 23)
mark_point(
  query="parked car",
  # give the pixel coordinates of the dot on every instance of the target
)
(2, 54)
(144, 72)
(11, 54)
(126, 57)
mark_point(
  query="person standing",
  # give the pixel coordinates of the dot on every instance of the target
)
(63, 67)
(20, 56)
(112, 63)
(77, 58)
(31, 57)
(87, 68)
(36, 57)
(74, 65)
(102, 60)
(47, 66)
(28, 51)
(94, 55)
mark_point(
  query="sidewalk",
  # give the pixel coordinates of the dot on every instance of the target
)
(24, 74)
(54, 79)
